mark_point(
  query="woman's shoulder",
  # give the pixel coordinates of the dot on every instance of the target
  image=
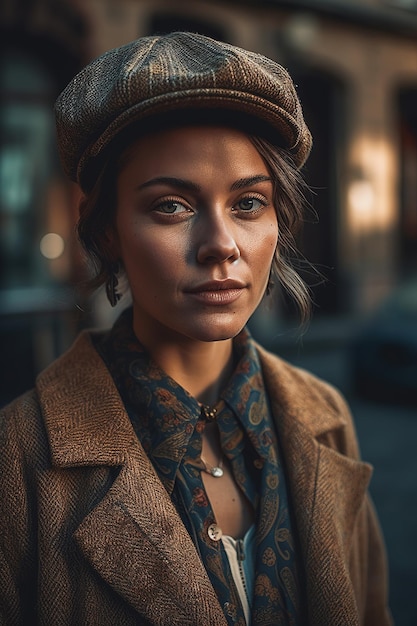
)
(26, 409)
(81, 347)
(62, 394)
(23, 438)
(81, 357)
(300, 395)
(296, 379)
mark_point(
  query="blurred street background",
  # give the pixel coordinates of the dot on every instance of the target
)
(355, 66)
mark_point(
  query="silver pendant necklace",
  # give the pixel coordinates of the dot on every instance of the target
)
(214, 470)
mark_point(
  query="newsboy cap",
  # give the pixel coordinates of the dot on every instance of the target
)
(170, 73)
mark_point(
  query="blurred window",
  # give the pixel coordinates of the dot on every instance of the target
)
(26, 162)
(409, 5)
(324, 100)
(408, 145)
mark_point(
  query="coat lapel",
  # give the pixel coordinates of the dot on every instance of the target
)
(136, 541)
(134, 537)
(328, 491)
(328, 488)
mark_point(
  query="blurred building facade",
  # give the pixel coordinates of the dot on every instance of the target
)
(355, 64)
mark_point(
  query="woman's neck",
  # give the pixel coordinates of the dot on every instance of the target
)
(202, 368)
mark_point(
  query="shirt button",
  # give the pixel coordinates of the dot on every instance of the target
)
(136, 368)
(214, 532)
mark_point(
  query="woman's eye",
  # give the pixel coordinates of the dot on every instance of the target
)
(171, 207)
(250, 204)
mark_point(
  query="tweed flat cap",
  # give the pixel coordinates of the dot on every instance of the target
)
(179, 71)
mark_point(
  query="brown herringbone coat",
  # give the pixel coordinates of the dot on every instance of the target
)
(89, 536)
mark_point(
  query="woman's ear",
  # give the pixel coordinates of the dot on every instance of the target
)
(112, 244)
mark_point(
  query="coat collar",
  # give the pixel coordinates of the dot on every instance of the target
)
(87, 422)
(88, 425)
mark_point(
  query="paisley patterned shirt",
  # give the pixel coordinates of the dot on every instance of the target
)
(169, 423)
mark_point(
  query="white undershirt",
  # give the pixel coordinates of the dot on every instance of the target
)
(241, 557)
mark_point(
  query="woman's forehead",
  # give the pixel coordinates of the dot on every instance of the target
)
(188, 148)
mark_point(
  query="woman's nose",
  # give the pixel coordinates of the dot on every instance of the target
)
(217, 242)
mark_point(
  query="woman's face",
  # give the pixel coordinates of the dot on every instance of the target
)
(196, 230)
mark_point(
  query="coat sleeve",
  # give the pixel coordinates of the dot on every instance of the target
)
(19, 440)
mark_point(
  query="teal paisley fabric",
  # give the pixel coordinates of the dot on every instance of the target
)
(169, 422)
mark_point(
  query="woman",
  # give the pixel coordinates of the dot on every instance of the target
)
(171, 471)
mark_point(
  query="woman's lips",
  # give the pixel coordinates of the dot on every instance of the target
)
(217, 292)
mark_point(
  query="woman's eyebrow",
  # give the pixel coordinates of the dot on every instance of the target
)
(172, 181)
(250, 180)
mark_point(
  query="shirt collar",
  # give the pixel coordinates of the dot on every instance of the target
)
(162, 412)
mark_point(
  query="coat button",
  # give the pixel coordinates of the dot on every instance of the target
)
(214, 532)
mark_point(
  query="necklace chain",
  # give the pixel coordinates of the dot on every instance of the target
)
(210, 414)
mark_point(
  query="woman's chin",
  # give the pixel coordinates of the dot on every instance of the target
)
(215, 332)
